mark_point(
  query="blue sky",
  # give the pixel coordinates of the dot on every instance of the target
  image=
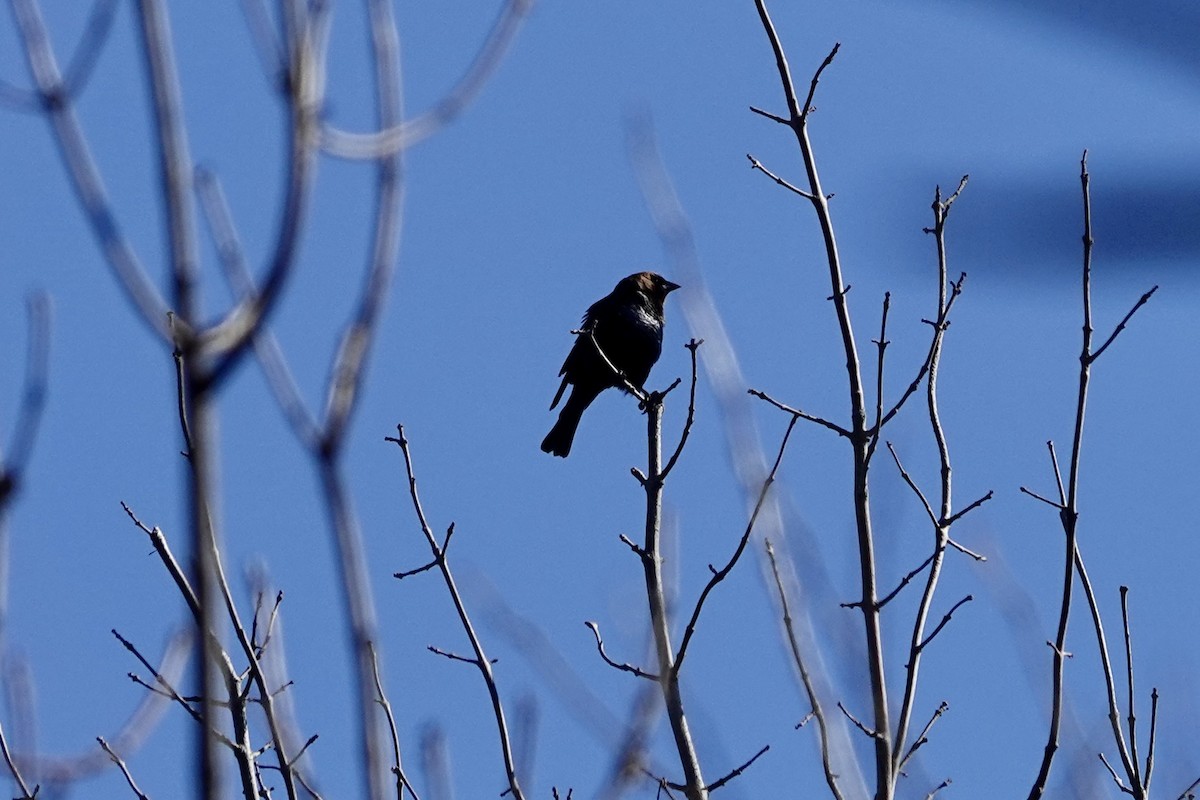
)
(517, 217)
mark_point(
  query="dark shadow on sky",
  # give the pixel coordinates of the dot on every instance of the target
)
(1140, 219)
(1166, 29)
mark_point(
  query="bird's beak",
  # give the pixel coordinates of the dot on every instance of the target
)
(669, 287)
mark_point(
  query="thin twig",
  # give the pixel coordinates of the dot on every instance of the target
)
(120, 762)
(795, 412)
(624, 667)
(721, 574)
(923, 736)
(945, 620)
(806, 678)
(397, 768)
(481, 660)
(693, 345)
(717, 784)
(14, 771)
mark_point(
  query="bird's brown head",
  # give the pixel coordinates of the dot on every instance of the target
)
(650, 284)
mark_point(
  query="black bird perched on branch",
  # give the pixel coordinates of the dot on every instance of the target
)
(627, 326)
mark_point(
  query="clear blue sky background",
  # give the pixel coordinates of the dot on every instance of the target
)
(524, 212)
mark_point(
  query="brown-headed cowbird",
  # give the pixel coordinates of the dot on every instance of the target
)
(628, 326)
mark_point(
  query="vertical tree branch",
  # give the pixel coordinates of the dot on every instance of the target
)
(651, 556)
(860, 439)
(1069, 516)
(480, 661)
(941, 528)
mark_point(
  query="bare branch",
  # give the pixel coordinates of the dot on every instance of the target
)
(923, 738)
(82, 170)
(692, 346)
(1116, 778)
(755, 164)
(16, 773)
(480, 660)
(721, 574)
(1121, 325)
(120, 762)
(883, 601)
(838, 429)
(955, 517)
(394, 137)
(717, 784)
(912, 485)
(33, 396)
(624, 667)
(857, 723)
(946, 619)
(810, 689)
(1037, 496)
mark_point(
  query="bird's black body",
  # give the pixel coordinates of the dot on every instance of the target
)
(628, 326)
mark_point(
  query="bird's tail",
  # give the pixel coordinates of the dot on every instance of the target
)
(558, 440)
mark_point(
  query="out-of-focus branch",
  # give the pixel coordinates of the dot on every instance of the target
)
(229, 339)
(29, 415)
(80, 67)
(393, 137)
(57, 104)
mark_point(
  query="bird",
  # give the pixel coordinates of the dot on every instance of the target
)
(627, 325)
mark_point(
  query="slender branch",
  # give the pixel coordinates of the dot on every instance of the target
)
(120, 762)
(394, 137)
(656, 599)
(1136, 777)
(481, 661)
(923, 737)
(857, 723)
(15, 771)
(693, 345)
(717, 784)
(858, 434)
(945, 620)
(974, 504)
(755, 164)
(1186, 793)
(1069, 516)
(721, 574)
(624, 667)
(933, 517)
(1114, 714)
(795, 412)
(81, 168)
(33, 402)
(883, 601)
(1046, 500)
(806, 678)
(881, 344)
(944, 784)
(1116, 778)
(1121, 325)
(1153, 734)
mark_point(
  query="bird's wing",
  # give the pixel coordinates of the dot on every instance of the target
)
(561, 388)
